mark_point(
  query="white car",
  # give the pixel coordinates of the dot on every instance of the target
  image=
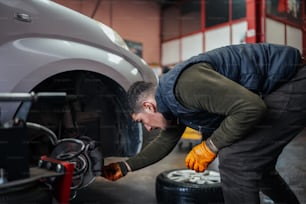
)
(45, 47)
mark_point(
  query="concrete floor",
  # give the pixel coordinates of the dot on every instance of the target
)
(139, 187)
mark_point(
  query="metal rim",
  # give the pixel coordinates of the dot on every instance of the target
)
(207, 177)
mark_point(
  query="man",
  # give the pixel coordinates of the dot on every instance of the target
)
(248, 101)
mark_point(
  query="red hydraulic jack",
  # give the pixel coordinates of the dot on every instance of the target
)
(63, 180)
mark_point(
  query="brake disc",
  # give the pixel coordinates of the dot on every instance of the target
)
(87, 160)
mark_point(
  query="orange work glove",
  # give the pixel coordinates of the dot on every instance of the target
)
(200, 157)
(114, 171)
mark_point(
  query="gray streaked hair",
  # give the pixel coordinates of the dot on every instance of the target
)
(139, 91)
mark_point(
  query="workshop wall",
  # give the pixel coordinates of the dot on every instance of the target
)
(225, 23)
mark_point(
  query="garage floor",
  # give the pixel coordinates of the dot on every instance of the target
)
(139, 187)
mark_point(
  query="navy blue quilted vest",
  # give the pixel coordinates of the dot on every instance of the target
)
(259, 67)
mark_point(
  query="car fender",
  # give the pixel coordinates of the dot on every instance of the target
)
(41, 58)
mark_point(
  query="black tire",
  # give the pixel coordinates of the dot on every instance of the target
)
(29, 193)
(184, 186)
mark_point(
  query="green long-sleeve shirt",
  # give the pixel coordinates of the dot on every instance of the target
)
(199, 87)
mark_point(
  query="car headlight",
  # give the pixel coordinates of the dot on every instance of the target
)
(113, 35)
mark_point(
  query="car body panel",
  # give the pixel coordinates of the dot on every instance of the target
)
(40, 40)
(40, 58)
(54, 40)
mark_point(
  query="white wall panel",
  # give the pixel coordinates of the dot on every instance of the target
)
(170, 52)
(192, 45)
(217, 38)
(239, 32)
(275, 32)
(294, 37)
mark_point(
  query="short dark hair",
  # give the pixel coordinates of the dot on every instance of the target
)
(136, 93)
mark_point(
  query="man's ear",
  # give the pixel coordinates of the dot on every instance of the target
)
(149, 106)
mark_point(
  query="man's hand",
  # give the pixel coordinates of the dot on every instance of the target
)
(114, 171)
(200, 157)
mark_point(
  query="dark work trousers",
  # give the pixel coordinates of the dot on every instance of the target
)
(248, 166)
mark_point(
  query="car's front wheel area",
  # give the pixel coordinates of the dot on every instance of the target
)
(95, 108)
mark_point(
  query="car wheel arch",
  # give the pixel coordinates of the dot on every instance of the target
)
(119, 135)
(69, 65)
